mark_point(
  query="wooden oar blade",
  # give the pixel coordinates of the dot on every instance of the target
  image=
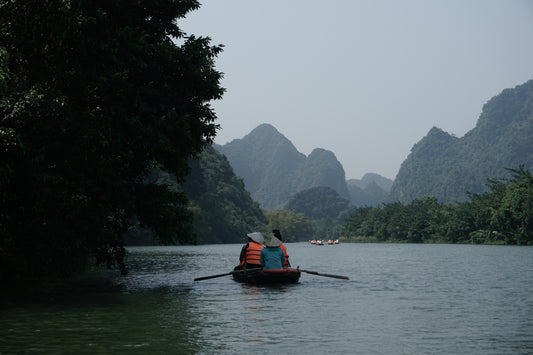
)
(211, 277)
(228, 273)
(335, 276)
(326, 275)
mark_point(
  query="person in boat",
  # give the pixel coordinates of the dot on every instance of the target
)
(272, 257)
(277, 234)
(251, 252)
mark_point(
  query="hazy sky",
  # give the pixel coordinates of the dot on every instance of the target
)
(364, 79)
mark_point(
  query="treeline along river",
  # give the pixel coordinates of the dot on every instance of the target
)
(400, 299)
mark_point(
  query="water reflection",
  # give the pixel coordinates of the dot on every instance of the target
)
(110, 322)
(401, 299)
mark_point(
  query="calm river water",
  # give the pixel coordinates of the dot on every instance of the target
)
(400, 299)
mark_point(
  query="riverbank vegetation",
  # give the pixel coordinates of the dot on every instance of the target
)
(93, 96)
(503, 215)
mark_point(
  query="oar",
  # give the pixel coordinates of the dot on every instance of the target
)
(227, 274)
(326, 275)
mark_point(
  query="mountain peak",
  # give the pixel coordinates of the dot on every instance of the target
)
(266, 135)
(265, 128)
(273, 170)
(449, 168)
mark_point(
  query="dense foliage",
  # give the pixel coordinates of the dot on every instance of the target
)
(94, 93)
(224, 211)
(324, 207)
(448, 167)
(503, 215)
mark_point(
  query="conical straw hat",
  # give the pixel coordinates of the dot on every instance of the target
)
(273, 242)
(256, 237)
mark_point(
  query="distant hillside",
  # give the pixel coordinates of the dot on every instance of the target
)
(384, 183)
(332, 206)
(222, 208)
(273, 170)
(371, 195)
(448, 167)
(324, 207)
(371, 190)
(321, 168)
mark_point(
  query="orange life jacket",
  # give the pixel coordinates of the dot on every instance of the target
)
(287, 264)
(253, 254)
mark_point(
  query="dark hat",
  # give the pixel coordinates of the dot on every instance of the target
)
(277, 234)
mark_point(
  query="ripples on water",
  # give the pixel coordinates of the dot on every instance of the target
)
(400, 299)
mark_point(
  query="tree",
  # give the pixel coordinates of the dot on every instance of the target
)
(514, 216)
(97, 92)
(502, 215)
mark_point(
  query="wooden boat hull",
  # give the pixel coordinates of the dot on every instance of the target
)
(268, 277)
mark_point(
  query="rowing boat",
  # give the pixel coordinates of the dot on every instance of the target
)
(268, 277)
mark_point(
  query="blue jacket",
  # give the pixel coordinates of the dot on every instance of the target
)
(272, 258)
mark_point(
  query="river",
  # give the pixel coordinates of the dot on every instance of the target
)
(400, 299)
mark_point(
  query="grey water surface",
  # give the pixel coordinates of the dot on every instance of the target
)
(400, 299)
